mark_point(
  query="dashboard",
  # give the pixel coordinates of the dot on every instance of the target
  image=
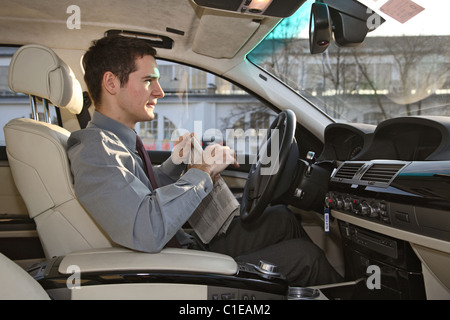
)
(344, 141)
(396, 173)
(404, 138)
(390, 191)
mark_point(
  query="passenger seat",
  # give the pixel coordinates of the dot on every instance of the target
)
(17, 284)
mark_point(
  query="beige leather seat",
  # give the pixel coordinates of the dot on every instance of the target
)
(16, 284)
(40, 168)
(37, 155)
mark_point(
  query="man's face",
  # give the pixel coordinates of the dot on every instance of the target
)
(138, 97)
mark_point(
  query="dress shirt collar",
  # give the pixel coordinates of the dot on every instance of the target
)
(125, 134)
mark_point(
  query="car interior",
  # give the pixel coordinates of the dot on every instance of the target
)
(373, 196)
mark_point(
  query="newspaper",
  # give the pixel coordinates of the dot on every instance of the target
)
(215, 213)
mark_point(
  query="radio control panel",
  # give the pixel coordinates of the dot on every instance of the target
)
(370, 208)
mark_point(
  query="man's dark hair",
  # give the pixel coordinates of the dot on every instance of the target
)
(116, 54)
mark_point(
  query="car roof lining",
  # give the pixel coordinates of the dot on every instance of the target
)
(195, 25)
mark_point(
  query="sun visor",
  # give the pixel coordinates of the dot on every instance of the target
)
(235, 31)
(269, 8)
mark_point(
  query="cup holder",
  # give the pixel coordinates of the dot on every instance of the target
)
(302, 293)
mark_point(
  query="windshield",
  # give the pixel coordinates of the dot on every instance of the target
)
(400, 70)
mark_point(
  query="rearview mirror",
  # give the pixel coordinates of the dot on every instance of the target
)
(319, 28)
(346, 20)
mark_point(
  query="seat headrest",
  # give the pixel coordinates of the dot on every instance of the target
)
(37, 70)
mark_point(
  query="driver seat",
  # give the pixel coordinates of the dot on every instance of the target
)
(37, 154)
(40, 168)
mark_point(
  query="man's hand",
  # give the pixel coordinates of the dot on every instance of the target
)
(215, 159)
(181, 152)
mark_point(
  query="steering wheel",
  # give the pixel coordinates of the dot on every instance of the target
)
(266, 173)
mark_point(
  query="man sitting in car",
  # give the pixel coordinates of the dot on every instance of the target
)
(145, 208)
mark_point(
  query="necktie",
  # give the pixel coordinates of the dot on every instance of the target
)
(151, 176)
(147, 163)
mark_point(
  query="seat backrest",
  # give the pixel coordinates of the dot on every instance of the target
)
(17, 284)
(38, 159)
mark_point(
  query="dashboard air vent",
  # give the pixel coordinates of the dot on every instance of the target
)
(382, 172)
(348, 170)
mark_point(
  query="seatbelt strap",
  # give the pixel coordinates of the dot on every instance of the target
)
(84, 116)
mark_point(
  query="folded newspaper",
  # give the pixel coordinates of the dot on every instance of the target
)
(215, 213)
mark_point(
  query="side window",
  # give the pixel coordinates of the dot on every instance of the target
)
(14, 105)
(215, 109)
(157, 134)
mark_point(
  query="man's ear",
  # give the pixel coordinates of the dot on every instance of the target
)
(111, 82)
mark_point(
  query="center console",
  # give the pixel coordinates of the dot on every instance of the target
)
(387, 212)
(400, 272)
(172, 274)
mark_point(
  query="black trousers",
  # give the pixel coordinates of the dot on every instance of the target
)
(277, 237)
